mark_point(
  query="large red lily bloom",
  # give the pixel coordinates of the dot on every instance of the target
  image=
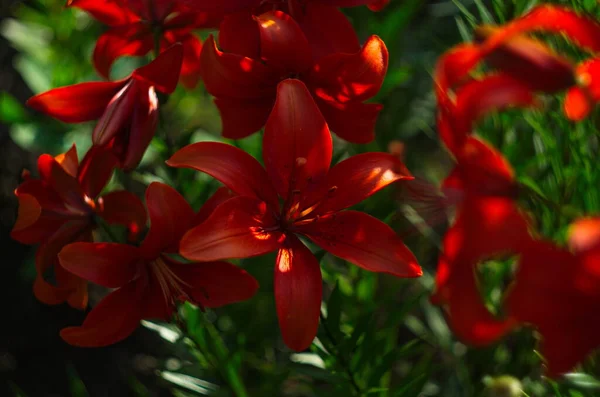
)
(557, 290)
(149, 281)
(136, 24)
(297, 153)
(61, 207)
(229, 6)
(127, 110)
(244, 75)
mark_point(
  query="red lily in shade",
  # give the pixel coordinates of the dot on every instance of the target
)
(127, 110)
(149, 281)
(136, 24)
(297, 151)
(244, 76)
(61, 207)
(229, 6)
(558, 291)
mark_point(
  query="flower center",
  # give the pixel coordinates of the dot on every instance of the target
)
(171, 285)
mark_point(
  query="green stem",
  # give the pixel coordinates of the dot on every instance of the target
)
(342, 361)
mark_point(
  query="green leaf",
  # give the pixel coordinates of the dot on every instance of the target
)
(11, 110)
(334, 311)
(583, 381)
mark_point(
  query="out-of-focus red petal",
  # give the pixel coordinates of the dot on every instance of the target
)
(235, 76)
(584, 234)
(163, 71)
(328, 31)
(238, 34)
(96, 169)
(69, 161)
(352, 121)
(215, 284)
(377, 5)
(297, 145)
(243, 117)
(238, 228)
(219, 197)
(298, 293)
(365, 241)
(351, 77)
(190, 68)
(124, 208)
(578, 104)
(579, 101)
(233, 167)
(133, 39)
(111, 321)
(143, 127)
(358, 177)
(28, 213)
(111, 265)
(452, 68)
(529, 61)
(110, 13)
(62, 183)
(224, 6)
(170, 217)
(76, 103)
(277, 30)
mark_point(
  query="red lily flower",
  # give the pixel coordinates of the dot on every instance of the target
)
(244, 76)
(127, 110)
(134, 25)
(297, 152)
(149, 281)
(557, 291)
(229, 6)
(60, 208)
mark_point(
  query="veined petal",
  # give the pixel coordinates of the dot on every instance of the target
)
(216, 284)
(298, 293)
(95, 170)
(132, 39)
(352, 121)
(351, 77)
(327, 30)
(235, 76)
(170, 217)
(108, 12)
(238, 228)
(111, 321)
(358, 177)
(297, 145)
(124, 208)
(76, 103)
(365, 241)
(243, 117)
(238, 34)
(143, 127)
(219, 197)
(277, 31)
(233, 167)
(163, 71)
(111, 265)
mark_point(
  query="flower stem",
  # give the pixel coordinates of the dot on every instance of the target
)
(342, 361)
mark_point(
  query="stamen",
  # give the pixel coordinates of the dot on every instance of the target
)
(171, 285)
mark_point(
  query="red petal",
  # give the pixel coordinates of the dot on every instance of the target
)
(108, 12)
(224, 6)
(358, 177)
(215, 284)
(277, 31)
(328, 31)
(578, 104)
(233, 167)
(111, 321)
(62, 183)
(111, 265)
(29, 212)
(298, 293)
(219, 197)
(191, 67)
(134, 40)
(236, 229)
(123, 208)
(69, 161)
(170, 217)
(365, 241)
(243, 117)
(116, 118)
(378, 5)
(143, 127)
(584, 234)
(297, 145)
(76, 103)
(95, 170)
(163, 71)
(351, 77)
(234, 76)
(352, 121)
(238, 34)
